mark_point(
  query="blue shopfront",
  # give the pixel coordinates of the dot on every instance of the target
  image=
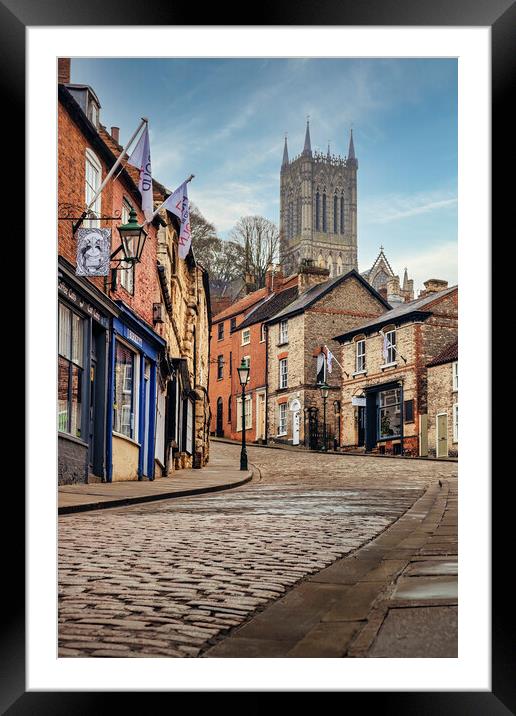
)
(135, 351)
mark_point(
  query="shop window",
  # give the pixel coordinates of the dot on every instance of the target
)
(389, 413)
(360, 356)
(124, 399)
(282, 421)
(283, 373)
(283, 332)
(70, 371)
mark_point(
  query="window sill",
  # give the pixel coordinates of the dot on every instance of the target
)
(282, 435)
(389, 365)
(125, 437)
(283, 343)
(72, 438)
(358, 372)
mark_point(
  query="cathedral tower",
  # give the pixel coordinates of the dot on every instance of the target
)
(318, 209)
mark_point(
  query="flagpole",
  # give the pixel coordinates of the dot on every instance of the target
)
(192, 176)
(334, 358)
(121, 156)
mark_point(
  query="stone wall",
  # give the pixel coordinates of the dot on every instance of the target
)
(72, 462)
(441, 399)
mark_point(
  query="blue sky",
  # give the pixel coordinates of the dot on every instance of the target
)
(224, 120)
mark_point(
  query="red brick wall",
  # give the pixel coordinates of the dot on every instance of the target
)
(72, 146)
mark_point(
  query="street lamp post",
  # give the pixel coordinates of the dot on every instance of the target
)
(243, 375)
(325, 391)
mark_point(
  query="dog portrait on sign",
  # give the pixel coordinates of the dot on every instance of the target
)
(93, 252)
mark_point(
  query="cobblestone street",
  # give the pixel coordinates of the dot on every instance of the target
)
(171, 578)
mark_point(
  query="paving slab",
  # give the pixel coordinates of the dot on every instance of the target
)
(424, 632)
(326, 641)
(426, 588)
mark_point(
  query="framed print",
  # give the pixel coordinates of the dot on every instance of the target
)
(140, 398)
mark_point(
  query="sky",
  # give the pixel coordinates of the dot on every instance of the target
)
(225, 121)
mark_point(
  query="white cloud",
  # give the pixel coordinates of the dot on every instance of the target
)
(394, 207)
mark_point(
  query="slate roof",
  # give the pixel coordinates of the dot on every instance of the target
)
(272, 305)
(313, 294)
(400, 314)
(449, 355)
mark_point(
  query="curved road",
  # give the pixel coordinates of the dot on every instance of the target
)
(171, 578)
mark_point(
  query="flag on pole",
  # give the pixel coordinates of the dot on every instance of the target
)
(329, 359)
(141, 159)
(177, 203)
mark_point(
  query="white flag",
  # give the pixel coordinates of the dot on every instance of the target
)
(141, 159)
(329, 359)
(177, 203)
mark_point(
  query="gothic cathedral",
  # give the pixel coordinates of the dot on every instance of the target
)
(318, 209)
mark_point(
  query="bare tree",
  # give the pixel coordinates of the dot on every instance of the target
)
(259, 238)
(224, 260)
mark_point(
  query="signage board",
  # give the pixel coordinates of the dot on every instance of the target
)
(93, 252)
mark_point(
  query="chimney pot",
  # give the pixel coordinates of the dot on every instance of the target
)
(63, 70)
(115, 133)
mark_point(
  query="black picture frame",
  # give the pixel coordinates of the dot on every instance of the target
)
(500, 16)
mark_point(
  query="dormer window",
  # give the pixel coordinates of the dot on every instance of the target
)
(93, 112)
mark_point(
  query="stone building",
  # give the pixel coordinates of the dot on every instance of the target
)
(318, 209)
(118, 363)
(443, 403)
(384, 388)
(298, 340)
(385, 281)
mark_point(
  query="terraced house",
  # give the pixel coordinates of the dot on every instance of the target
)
(384, 398)
(133, 344)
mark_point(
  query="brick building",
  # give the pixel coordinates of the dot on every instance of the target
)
(117, 365)
(238, 333)
(298, 337)
(384, 388)
(443, 403)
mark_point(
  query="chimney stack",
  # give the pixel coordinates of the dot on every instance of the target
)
(115, 133)
(310, 275)
(433, 285)
(63, 70)
(273, 277)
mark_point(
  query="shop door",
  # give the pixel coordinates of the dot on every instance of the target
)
(361, 426)
(442, 435)
(93, 384)
(147, 408)
(220, 416)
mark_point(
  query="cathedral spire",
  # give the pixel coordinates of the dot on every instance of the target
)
(351, 150)
(285, 153)
(307, 149)
(405, 279)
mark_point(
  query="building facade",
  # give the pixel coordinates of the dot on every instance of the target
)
(299, 343)
(318, 209)
(117, 365)
(384, 389)
(443, 403)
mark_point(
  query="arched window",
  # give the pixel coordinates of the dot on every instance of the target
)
(329, 265)
(317, 216)
(335, 215)
(324, 214)
(341, 214)
(93, 180)
(339, 265)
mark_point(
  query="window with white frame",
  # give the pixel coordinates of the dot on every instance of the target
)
(283, 373)
(389, 346)
(125, 391)
(70, 371)
(283, 332)
(360, 355)
(455, 376)
(93, 180)
(127, 267)
(282, 419)
(248, 410)
(246, 336)
(455, 422)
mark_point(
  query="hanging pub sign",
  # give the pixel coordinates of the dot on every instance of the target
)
(93, 252)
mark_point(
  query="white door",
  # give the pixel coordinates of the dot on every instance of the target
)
(295, 428)
(442, 435)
